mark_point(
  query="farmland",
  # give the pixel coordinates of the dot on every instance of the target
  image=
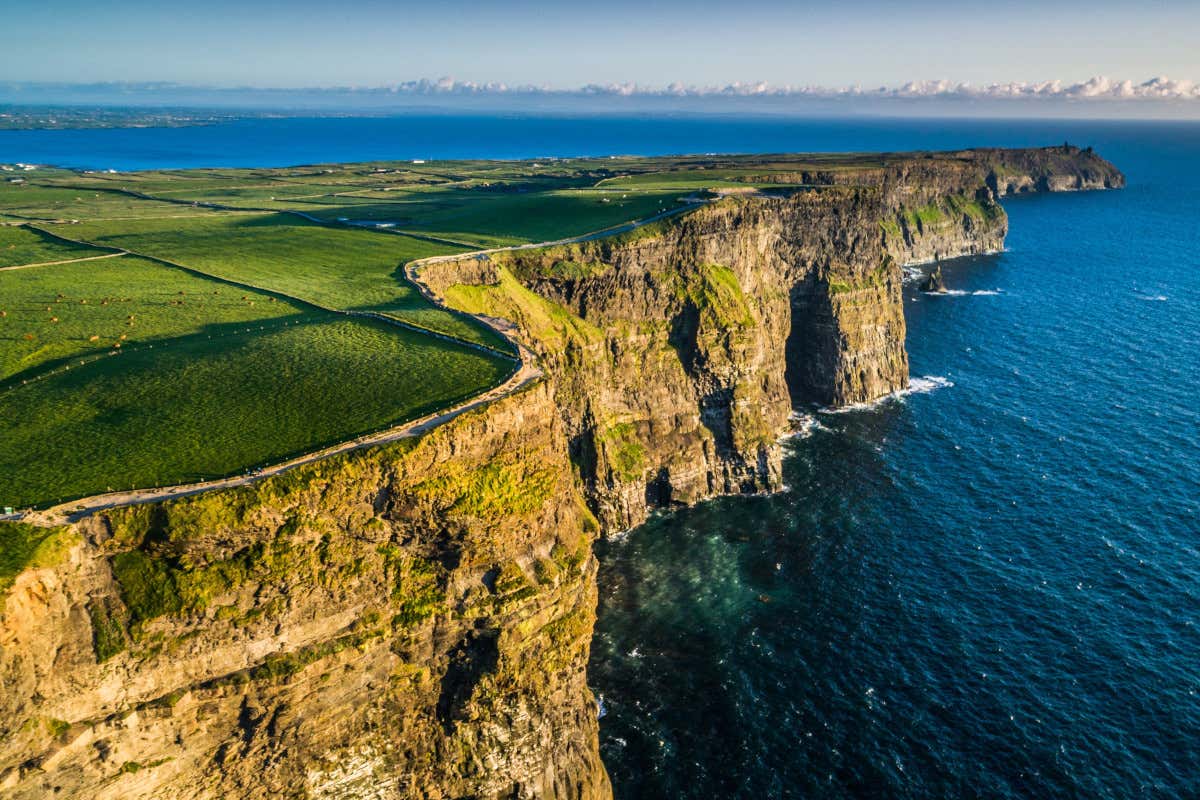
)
(339, 268)
(70, 311)
(20, 246)
(171, 326)
(204, 408)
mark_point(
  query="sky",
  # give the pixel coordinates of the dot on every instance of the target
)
(563, 45)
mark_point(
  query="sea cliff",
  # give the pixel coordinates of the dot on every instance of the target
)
(414, 619)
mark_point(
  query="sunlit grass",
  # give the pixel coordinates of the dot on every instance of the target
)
(201, 408)
(55, 314)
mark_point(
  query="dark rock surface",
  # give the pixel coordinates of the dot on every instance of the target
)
(934, 282)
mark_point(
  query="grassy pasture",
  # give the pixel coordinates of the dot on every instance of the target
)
(20, 245)
(483, 204)
(494, 218)
(338, 268)
(37, 202)
(202, 408)
(345, 269)
(51, 314)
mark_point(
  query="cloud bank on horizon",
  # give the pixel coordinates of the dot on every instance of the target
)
(1159, 88)
(1099, 88)
(1097, 97)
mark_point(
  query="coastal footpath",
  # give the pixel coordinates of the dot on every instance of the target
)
(413, 619)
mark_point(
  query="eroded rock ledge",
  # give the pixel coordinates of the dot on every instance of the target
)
(414, 620)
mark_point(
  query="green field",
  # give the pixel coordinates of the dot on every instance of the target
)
(341, 268)
(337, 268)
(42, 203)
(494, 219)
(201, 408)
(21, 245)
(56, 315)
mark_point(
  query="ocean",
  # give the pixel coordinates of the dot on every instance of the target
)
(987, 587)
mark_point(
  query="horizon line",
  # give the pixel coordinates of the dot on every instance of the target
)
(1098, 88)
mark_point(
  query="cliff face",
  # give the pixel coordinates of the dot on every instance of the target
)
(413, 620)
(409, 621)
(943, 205)
(677, 352)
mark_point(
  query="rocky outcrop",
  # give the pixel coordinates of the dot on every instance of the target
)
(413, 620)
(943, 205)
(1047, 169)
(934, 282)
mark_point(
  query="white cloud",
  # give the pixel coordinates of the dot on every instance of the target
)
(1100, 87)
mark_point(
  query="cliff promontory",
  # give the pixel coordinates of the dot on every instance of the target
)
(413, 620)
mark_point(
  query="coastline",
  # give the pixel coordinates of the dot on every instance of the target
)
(448, 586)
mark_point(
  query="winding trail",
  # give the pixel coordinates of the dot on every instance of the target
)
(525, 373)
(56, 263)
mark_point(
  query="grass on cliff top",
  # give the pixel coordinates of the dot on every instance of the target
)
(493, 218)
(23, 546)
(336, 268)
(201, 408)
(551, 324)
(481, 204)
(51, 315)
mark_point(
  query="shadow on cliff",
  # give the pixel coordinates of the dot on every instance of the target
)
(477, 655)
(811, 348)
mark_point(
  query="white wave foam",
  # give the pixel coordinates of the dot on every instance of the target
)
(926, 384)
(962, 293)
(802, 426)
(1161, 298)
(618, 536)
(921, 385)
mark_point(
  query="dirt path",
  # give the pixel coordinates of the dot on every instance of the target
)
(525, 374)
(65, 261)
(78, 509)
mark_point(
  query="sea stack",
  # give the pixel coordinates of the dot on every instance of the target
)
(934, 283)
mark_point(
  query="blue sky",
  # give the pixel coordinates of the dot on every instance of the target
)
(565, 44)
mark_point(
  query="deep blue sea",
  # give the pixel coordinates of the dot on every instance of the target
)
(989, 588)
